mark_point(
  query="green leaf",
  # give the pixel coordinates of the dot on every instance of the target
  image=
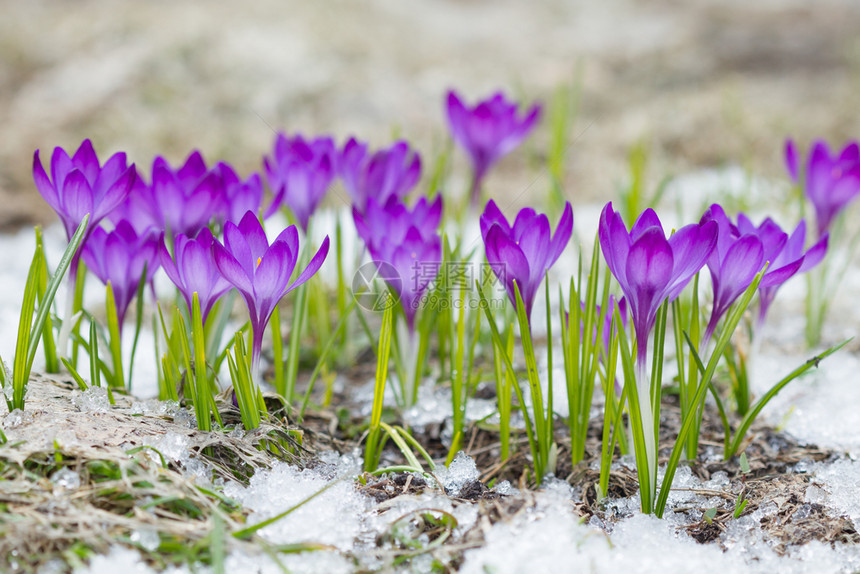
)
(543, 423)
(115, 339)
(772, 392)
(745, 465)
(203, 391)
(20, 372)
(138, 322)
(51, 291)
(709, 515)
(371, 456)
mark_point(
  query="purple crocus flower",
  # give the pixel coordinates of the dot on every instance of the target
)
(406, 239)
(785, 254)
(733, 265)
(489, 131)
(261, 272)
(79, 185)
(299, 173)
(193, 270)
(831, 181)
(184, 200)
(239, 196)
(650, 268)
(120, 257)
(525, 251)
(391, 172)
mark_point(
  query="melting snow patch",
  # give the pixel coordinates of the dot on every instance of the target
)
(92, 400)
(334, 517)
(459, 473)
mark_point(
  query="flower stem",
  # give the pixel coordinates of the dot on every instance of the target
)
(66, 326)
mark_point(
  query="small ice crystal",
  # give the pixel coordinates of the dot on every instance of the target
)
(719, 480)
(66, 479)
(92, 400)
(16, 418)
(147, 538)
(154, 407)
(459, 473)
(335, 465)
(173, 446)
(505, 488)
(184, 417)
(815, 494)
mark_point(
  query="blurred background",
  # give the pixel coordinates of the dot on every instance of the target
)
(701, 84)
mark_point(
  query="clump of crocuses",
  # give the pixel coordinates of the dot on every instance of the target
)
(786, 255)
(488, 131)
(299, 172)
(408, 241)
(185, 199)
(389, 172)
(523, 252)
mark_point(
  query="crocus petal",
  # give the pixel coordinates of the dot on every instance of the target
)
(743, 260)
(61, 165)
(291, 237)
(270, 278)
(692, 245)
(168, 264)
(77, 196)
(113, 169)
(614, 243)
(507, 261)
(232, 271)
(781, 275)
(791, 159)
(815, 254)
(43, 184)
(493, 216)
(313, 266)
(116, 192)
(562, 234)
(650, 262)
(85, 159)
(237, 245)
(648, 270)
(457, 117)
(646, 220)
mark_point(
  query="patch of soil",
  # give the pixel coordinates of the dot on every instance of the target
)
(74, 482)
(110, 454)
